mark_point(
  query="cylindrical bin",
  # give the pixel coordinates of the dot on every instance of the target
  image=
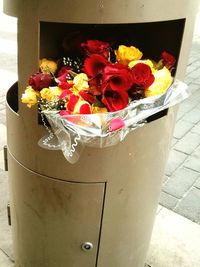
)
(100, 211)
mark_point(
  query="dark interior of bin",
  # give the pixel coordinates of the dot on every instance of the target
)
(60, 39)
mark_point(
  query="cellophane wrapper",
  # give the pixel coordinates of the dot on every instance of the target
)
(72, 133)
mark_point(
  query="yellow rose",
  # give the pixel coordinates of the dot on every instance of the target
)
(48, 66)
(50, 93)
(162, 82)
(99, 109)
(81, 82)
(29, 97)
(145, 61)
(126, 54)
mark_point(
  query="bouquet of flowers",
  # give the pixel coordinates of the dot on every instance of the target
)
(97, 99)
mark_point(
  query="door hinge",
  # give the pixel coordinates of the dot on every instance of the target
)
(5, 150)
(9, 214)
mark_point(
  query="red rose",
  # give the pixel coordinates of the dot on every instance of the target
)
(63, 74)
(94, 65)
(40, 80)
(65, 85)
(168, 60)
(96, 47)
(114, 100)
(87, 96)
(142, 75)
(117, 76)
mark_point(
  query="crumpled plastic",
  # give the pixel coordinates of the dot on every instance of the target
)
(72, 133)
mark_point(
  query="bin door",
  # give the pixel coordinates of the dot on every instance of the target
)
(55, 223)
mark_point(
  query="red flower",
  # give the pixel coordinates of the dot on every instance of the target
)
(94, 65)
(96, 47)
(39, 80)
(63, 74)
(142, 75)
(72, 102)
(85, 109)
(118, 77)
(87, 96)
(65, 85)
(168, 60)
(65, 94)
(114, 100)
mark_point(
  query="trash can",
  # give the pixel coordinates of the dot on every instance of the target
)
(98, 212)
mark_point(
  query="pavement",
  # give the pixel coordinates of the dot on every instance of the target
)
(176, 236)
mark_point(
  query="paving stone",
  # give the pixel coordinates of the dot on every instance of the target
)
(188, 80)
(197, 183)
(195, 96)
(3, 117)
(195, 74)
(174, 141)
(165, 179)
(192, 116)
(5, 261)
(190, 205)
(193, 88)
(175, 241)
(193, 161)
(181, 128)
(2, 135)
(188, 143)
(168, 201)
(176, 158)
(184, 108)
(196, 128)
(180, 182)
(4, 198)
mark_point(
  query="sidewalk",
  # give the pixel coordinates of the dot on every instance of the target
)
(176, 239)
(181, 188)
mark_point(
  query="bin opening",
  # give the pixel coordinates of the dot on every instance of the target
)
(12, 97)
(59, 40)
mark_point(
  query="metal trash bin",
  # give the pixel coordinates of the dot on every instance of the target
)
(100, 211)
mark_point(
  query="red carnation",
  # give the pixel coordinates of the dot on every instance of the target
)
(94, 65)
(118, 76)
(96, 47)
(39, 80)
(142, 75)
(114, 100)
(168, 60)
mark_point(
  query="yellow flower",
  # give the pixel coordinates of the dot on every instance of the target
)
(162, 82)
(48, 66)
(81, 82)
(145, 61)
(29, 97)
(99, 109)
(126, 54)
(50, 93)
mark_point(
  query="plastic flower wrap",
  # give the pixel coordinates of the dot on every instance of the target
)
(97, 100)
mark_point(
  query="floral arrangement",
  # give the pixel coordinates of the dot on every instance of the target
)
(105, 80)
